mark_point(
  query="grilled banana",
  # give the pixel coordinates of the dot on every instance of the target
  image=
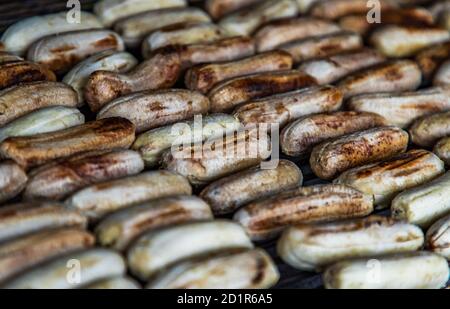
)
(438, 237)
(19, 72)
(442, 76)
(442, 150)
(13, 180)
(219, 8)
(431, 58)
(427, 130)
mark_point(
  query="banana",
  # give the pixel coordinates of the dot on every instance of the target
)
(57, 180)
(21, 35)
(220, 8)
(333, 157)
(397, 41)
(299, 137)
(229, 193)
(22, 99)
(157, 250)
(442, 150)
(152, 144)
(107, 60)
(219, 157)
(438, 237)
(250, 269)
(27, 218)
(424, 204)
(121, 228)
(115, 283)
(279, 32)
(61, 52)
(338, 8)
(289, 106)
(19, 72)
(421, 270)
(428, 130)
(442, 76)
(311, 247)
(153, 109)
(110, 11)
(13, 180)
(6, 57)
(98, 200)
(247, 21)
(230, 93)
(133, 29)
(431, 58)
(73, 270)
(44, 120)
(332, 68)
(265, 219)
(391, 76)
(323, 46)
(28, 251)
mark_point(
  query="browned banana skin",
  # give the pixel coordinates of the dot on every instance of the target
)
(278, 32)
(25, 252)
(430, 59)
(219, 8)
(229, 193)
(392, 76)
(338, 8)
(323, 46)
(428, 130)
(6, 57)
(226, 95)
(57, 180)
(298, 138)
(159, 72)
(204, 77)
(265, 219)
(331, 158)
(104, 134)
(405, 16)
(442, 150)
(13, 180)
(22, 99)
(13, 73)
(285, 107)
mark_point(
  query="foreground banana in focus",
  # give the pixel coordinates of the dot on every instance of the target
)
(331, 158)
(104, 134)
(229, 193)
(152, 109)
(426, 131)
(114, 283)
(93, 264)
(60, 52)
(57, 180)
(13, 180)
(162, 69)
(251, 269)
(219, 8)
(330, 69)
(157, 250)
(231, 93)
(299, 137)
(266, 219)
(16, 73)
(323, 46)
(279, 32)
(101, 199)
(401, 109)
(247, 21)
(404, 41)
(289, 106)
(22, 99)
(108, 60)
(438, 237)
(442, 149)
(424, 204)
(110, 11)
(19, 36)
(204, 77)
(45, 120)
(311, 247)
(133, 29)
(219, 157)
(30, 250)
(385, 179)
(392, 76)
(27, 218)
(121, 228)
(152, 144)
(421, 270)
